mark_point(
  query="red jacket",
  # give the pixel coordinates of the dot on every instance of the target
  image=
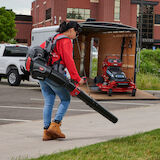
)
(64, 49)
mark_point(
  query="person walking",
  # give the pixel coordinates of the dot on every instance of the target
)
(63, 53)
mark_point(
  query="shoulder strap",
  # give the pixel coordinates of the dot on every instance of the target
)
(56, 39)
(51, 42)
(48, 44)
(53, 45)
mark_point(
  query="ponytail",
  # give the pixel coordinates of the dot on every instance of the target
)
(64, 26)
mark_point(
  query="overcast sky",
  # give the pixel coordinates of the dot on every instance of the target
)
(18, 6)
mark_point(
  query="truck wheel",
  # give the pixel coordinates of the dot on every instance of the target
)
(110, 92)
(98, 79)
(14, 78)
(133, 92)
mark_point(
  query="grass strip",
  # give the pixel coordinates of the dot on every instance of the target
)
(144, 146)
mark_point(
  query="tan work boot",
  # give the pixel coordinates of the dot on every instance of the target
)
(55, 131)
(47, 136)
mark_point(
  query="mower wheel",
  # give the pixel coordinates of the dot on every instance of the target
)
(133, 92)
(98, 79)
(110, 92)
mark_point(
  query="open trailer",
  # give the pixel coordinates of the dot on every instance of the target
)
(112, 40)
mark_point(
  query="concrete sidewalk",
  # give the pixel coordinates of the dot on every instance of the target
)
(24, 139)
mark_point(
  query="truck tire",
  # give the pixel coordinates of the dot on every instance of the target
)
(14, 78)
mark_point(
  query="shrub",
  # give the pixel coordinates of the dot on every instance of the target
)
(150, 61)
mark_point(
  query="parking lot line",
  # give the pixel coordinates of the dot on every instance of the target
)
(20, 107)
(14, 120)
(101, 102)
(36, 108)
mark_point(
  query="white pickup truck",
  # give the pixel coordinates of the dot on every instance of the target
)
(12, 56)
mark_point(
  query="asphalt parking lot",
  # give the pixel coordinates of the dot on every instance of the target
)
(25, 103)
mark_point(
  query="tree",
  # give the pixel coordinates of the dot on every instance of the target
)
(7, 25)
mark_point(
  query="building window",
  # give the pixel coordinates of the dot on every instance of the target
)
(77, 13)
(48, 13)
(117, 10)
(157, 19)
(138, 16)
(147, 25)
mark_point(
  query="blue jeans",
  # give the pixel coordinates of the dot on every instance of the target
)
(49, 90)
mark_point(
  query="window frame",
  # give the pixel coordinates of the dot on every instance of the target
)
(48, 13)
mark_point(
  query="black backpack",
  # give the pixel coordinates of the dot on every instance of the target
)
(36, 51)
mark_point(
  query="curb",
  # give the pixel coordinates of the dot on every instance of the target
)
(153, 92)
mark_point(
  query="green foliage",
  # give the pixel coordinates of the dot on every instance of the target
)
(149, 76)
(94, 67)
(7, 25)
(12, 41)
(150, 61)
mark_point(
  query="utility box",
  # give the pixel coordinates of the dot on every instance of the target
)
(112, 39)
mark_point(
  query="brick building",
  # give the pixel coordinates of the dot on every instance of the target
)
(23, 27)
(128, 12)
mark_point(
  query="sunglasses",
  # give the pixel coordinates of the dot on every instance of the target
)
(77, 30)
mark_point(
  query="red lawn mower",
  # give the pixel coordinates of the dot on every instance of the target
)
(113, 79)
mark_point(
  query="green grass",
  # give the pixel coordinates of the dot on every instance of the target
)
(148, 81)
(144, 146)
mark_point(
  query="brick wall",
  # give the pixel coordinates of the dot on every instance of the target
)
(106, 10)
(126, 10)
(157, 26)
(133, 16)
(101, 11)
(58, 12)
(94, 10)
(78, 4)
(23, 27)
